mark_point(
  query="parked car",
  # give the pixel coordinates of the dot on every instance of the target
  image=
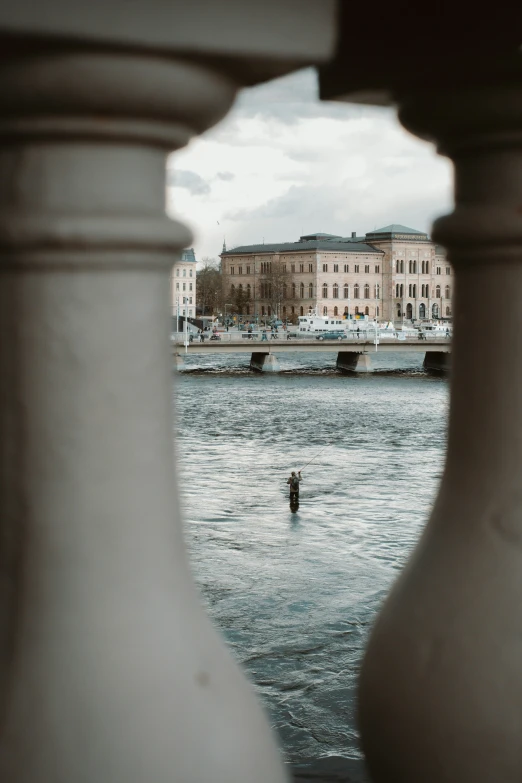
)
(215, 337)
(331, 336)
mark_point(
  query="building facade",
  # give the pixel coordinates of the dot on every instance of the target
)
(391, 273)
(183, 285)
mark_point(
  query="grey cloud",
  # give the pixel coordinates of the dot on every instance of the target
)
(189, 180)
(227, 176)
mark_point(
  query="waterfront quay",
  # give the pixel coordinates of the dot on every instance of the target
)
(353, 354)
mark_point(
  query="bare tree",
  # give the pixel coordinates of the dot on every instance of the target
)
(210, 287)
(275, 287)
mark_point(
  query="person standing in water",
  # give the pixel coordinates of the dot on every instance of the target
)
(293, 481)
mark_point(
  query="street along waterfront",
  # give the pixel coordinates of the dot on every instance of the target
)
(295, 594)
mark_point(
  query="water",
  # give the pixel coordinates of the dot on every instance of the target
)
(295, 594)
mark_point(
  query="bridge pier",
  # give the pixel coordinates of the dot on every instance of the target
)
(437, 362)
(179, 362)
(264, 362)
(351, 361)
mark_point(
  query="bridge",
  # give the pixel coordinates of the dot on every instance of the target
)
(353, 355)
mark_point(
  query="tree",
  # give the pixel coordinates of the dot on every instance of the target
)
(239, 298)
(209, 287)
(274, 286)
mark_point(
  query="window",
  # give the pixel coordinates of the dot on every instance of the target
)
(310, 290)
(427, 292)
(335, 291)
(240, 270)
(414, 291)
(448, 310)
(356, 311)
(336, 267)
(310, 267)
(422, 288)
(346, 291)
(232, 289)
(402, 266)
(367, 311)
(190, 286)
(410, 266)
(367, 269)
(325, 267)
(231, 270)
(397, 291)
(398, 266)
(377, 291)
(356, 291)
(427, 267)
(248, 290)
(346, 268)
(435, 311)
(377, 269)
(401, 290)
(301, 267)
(301, 310)
(293, 310)
(437, 292)
(177, 286)
(190, 275)
(377, 311)
(447, 292)
(177, 272)
(422, 310)
(438, 270)
(356, 268)
(366, 291)
(301, 290)
(409, 289)
(448, 270)
(293, 290)
(336, 311)
(325, 291)
(184, 286)
(346, 311)
(262, 310)
(184, 273)
(248, 270)
(414, 267)
(284, 290)
(325, 310)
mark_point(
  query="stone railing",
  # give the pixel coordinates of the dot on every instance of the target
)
(109, 670)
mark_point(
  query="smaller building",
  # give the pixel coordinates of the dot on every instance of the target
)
(183, 284)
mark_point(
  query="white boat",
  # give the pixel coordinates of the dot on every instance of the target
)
(320, 323)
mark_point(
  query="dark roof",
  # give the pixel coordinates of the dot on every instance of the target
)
(395, 228)
(291, 247)
(319, 235)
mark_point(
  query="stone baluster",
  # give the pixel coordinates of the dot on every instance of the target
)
(441, 683)
(110, 672)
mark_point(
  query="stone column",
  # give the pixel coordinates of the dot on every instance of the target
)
(110, 672)
(441, 684)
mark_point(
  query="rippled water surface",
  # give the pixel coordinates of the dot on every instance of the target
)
(295, 594)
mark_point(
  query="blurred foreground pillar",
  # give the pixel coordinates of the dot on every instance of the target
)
(441, 683)
(109, 670)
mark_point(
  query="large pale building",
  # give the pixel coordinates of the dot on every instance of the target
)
(183, 284)
(391, 273)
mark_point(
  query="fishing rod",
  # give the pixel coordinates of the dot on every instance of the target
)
(316, 455)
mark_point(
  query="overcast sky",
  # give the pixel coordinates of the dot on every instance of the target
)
(283, 164)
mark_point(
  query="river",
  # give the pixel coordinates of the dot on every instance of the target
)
(295, 594)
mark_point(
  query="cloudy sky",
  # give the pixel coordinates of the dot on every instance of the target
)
(283, 164)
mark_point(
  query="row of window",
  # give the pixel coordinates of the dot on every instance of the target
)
(436, 312)
(266, 268)
(425, 291)
(265, 291)
(184, 287)
(268, 311)
(184, 273)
